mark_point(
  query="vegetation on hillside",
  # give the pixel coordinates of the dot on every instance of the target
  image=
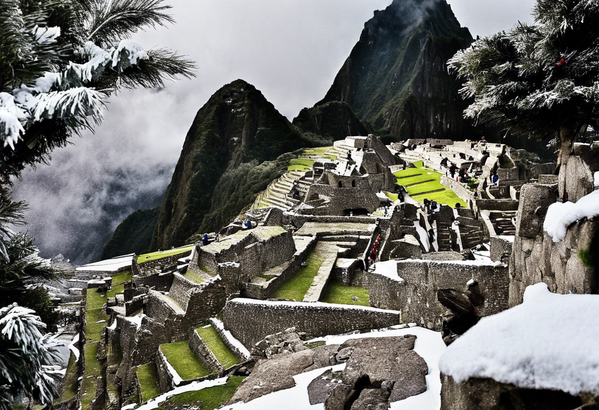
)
(133, 235)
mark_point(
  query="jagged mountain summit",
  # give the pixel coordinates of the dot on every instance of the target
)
(224, 163)
(396, 78)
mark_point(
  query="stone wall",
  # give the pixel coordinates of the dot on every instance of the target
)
(165, 377)
(260, 249)
(342, 199)
(204, 301)
(168, 263)
(250, 321)
(536, 258)
(496, 204)
(416, 296)
(460, 189)
(160, 281)
(202, 352)
(266, 290)
(576, 177)
(501, 248)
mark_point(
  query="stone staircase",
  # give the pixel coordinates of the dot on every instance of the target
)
(277, 193)
(503, 222)
(471, 232)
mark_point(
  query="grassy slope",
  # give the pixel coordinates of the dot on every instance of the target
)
(336, 292)
(148, 380)
(296, 287)
(183, 360)
(223, 354)
(410, 177)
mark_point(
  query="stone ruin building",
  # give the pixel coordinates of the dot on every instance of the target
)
(441, 269)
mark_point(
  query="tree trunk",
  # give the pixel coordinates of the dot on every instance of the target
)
(567, 136)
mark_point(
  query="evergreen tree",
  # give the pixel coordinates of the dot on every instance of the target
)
(539, 80)
(60, 60)
(27, 358)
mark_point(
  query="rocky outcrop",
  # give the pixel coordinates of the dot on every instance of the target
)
(565, 266)
(396, 78)
(377, 371)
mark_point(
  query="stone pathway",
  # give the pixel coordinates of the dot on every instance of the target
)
(329, 252)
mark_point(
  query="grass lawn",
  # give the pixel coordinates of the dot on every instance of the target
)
(430, 181)
(222, 352)
(210, 398)
(70, 381)
(162, 254)
(95, 299)
(118, 283)
(148, 380)
(336, 292)
(296, 287)
(315, 151)
(93, 370)
(183, 360)
(303, 164)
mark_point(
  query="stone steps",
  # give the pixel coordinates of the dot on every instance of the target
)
(329, 251)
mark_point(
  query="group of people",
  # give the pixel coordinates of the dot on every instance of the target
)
(373, 252)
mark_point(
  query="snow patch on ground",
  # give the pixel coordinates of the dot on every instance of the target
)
(525, 347)
(73, 348)
(560, 215)
(422, 235)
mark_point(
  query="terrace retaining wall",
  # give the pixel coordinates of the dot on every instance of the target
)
(250, 321)
(203, 352)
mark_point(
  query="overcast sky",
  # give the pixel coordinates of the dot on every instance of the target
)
(291, 50)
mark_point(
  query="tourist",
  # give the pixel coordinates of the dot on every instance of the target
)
(205, 239)
(495, 180)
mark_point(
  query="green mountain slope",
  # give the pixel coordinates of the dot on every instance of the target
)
(222, 164)
(134, 234)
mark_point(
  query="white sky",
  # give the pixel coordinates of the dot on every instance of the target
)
(291, 50)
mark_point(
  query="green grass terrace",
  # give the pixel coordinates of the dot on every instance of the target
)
(296, 287)
(184, 361)
(206, 399)
(148, 380)
(422, 183)
(221, 351)
(337, 292)
(146, 257)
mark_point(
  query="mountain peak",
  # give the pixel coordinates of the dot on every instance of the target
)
(395, 77)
